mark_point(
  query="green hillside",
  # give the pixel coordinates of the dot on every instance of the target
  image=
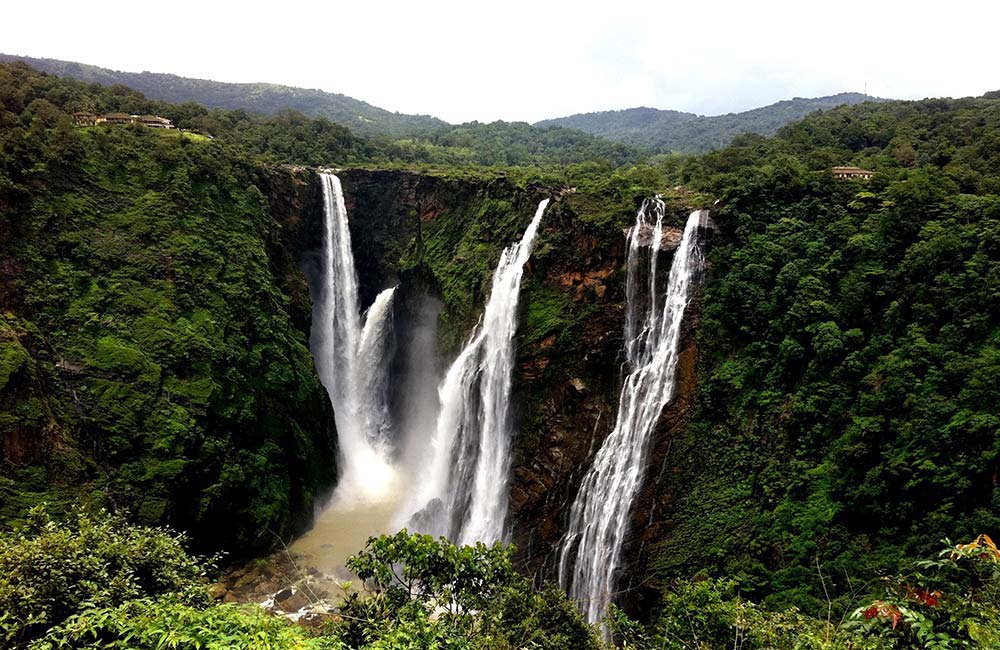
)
(689, 133)
(263, 98)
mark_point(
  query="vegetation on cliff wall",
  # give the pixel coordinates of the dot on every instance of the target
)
(153, 355)
(149, 357)
(850, 342)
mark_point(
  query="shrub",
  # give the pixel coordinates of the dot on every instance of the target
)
(152, 624)
(51, 570)
(429, 592)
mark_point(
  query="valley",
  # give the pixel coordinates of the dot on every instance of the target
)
(730, 382)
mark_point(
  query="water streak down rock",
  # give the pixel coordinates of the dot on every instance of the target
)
(590, 552)
(463, 495)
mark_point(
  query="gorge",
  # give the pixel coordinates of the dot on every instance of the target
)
(456, 484)
(464, 494)
(255, 353)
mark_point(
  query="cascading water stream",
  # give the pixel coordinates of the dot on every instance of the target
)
(590, 553)
(352, 360)
(464, 494)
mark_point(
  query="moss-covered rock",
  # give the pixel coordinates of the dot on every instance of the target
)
(153, 350)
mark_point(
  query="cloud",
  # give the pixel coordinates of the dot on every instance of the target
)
(523, 60)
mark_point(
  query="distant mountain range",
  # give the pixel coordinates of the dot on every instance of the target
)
(676, 131)
(361, 117)
(643, 128)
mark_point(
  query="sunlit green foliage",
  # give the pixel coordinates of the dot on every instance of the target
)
(96, 581)
(53, 569)
(949, 602)
(429, 592)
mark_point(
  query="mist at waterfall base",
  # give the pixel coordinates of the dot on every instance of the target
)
(352, 358)
(590, 553)
(439, 462)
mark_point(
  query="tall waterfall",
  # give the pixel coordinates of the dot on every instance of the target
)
(591, 550)
(351, 359)
(464, 494)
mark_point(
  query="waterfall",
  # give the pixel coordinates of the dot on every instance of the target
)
(352, 359)
(463, 495)
(590, 553)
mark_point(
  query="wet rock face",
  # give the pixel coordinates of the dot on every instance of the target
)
(570, 336)
(258, 580)
(569, 409)
(648, 525)
(670, 240)
(283, 584)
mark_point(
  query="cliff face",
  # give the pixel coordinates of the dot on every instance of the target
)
(443, 237)
(259, 428)
(153, 344)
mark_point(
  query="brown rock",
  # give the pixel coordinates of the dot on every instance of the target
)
(294, 603)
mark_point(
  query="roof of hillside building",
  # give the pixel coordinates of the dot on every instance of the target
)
(851, 170)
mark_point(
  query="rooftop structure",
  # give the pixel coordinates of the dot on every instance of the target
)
(851, 172)
(82, 118)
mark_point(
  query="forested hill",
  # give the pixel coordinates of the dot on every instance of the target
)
(291, 136)
(265, 98)
(690, 133)
(849, 340)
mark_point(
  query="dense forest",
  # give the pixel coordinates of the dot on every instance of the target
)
(849, 350)
(136, 341)
(266, 99)
(835, 468)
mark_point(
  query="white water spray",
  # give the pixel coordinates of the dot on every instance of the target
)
(464, 493)
(352, 360)
(590, 554)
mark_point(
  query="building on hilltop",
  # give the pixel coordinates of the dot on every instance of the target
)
(115, 118)
(852, 172)
(149, 121)
(155, 122)
(83, 118)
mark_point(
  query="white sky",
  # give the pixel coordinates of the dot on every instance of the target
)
(529, 60)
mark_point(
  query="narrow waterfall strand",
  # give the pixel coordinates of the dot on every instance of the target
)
(590, 554)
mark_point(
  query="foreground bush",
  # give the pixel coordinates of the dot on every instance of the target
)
(431, 593)
(151, 624)
(51, 570)
(95, 581)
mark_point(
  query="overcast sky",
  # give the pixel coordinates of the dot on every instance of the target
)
(518, 60)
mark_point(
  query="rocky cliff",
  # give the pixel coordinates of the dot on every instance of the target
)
(443, 237)
(247, 422)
